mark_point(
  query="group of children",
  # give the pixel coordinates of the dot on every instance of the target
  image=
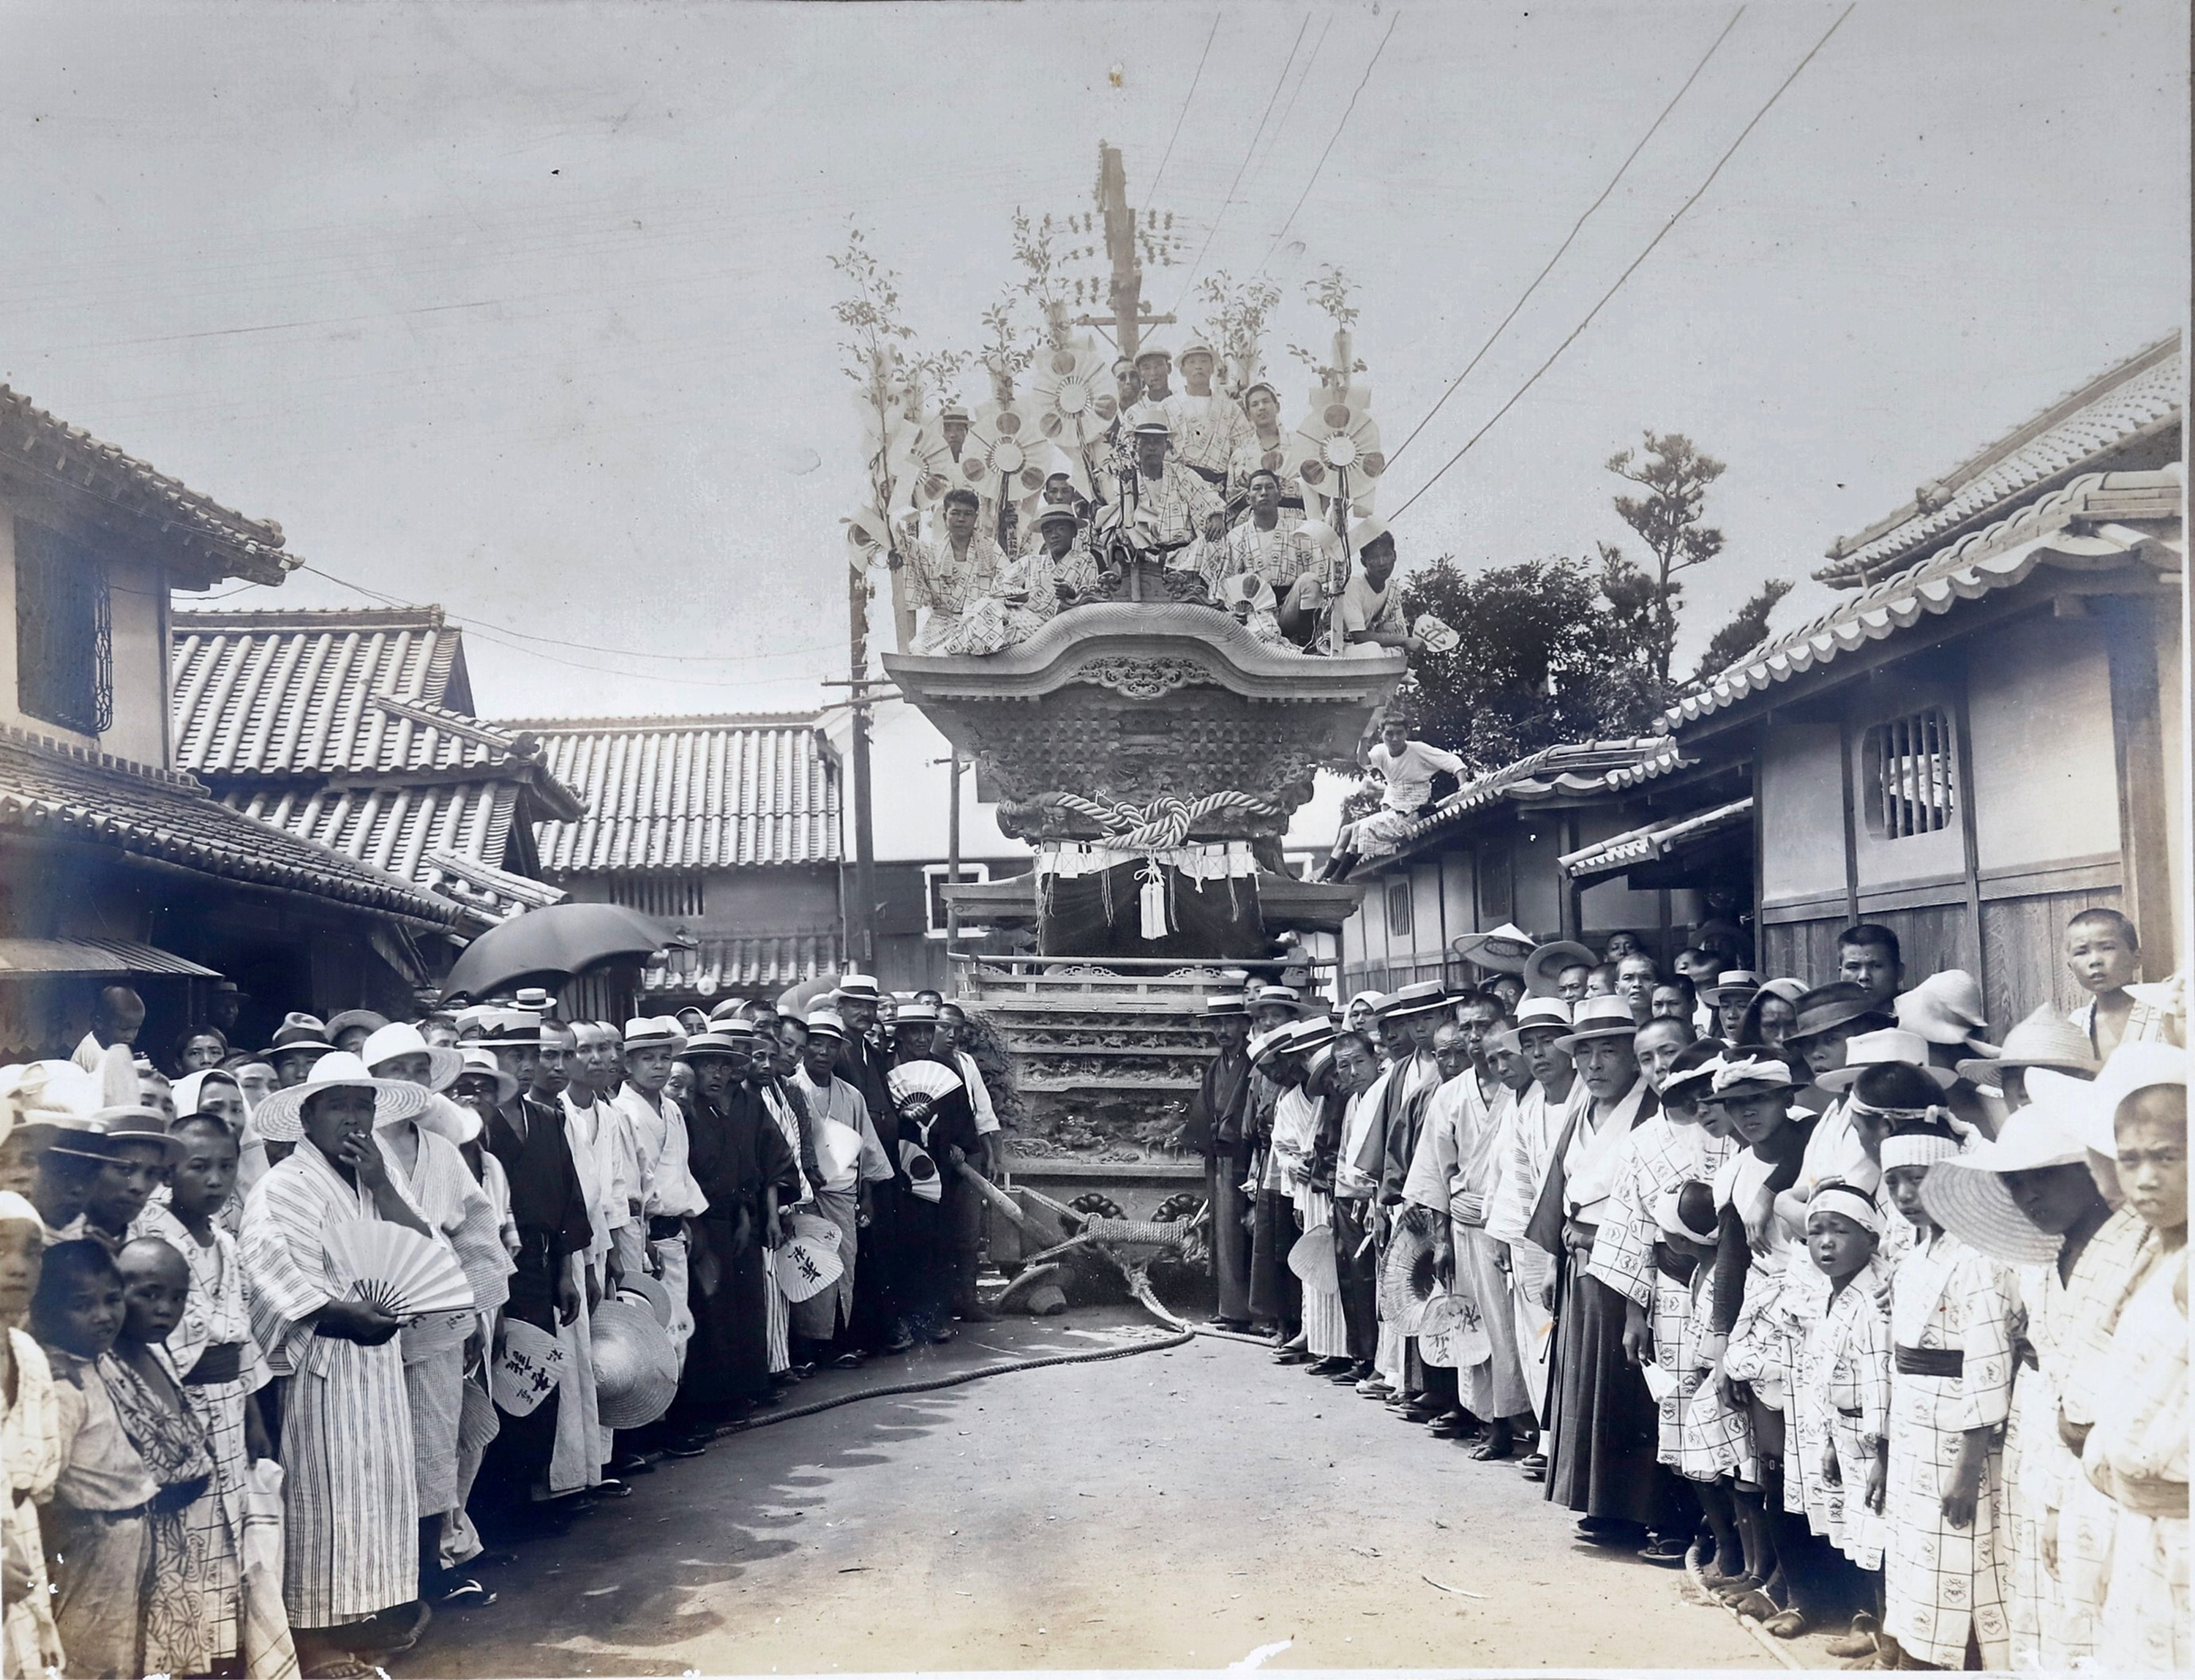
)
(1881, 1325)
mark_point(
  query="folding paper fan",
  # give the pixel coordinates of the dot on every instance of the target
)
(929, 1079)
(1005, 442)
(395, 1268)
(1072, 393)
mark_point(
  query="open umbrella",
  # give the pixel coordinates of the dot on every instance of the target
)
(553, 944)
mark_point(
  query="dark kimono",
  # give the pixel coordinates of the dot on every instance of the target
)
(1217, 1117)
(876, 1312)
(727, 1361)
(925, 1228)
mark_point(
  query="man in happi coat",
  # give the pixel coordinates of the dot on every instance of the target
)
(1451, 1176)
(350, 1493)
(876, 1324)
(660, 1142)
(950, 575)
(1603, 1447)
(853, 1161)
(1169, 507)
(1215, 1130)
(1208, 427)
(550, 1208)
(1261, 545)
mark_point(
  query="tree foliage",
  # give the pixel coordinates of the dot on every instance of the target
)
(1675, 477)
(1747, 629)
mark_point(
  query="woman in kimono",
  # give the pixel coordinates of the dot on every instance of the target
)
(350, 1501)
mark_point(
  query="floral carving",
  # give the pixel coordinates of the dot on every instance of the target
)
(1143, 679)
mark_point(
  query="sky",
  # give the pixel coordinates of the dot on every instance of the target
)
(526, 309)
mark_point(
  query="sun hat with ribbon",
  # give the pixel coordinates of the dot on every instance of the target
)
(918, 1014)
(1598, 1017)
(279, 1119)
(1543, 968)
(653, 1032)
(1947, 1008)
(401, 1038)
(717, 1042)
(1309, 1036)
(1966, 1195)
(1414, 999)
(484, 1063)
(510, 1029)
(2045, 1039)
(861, 987)
(1890, 1044)
(2133, 1067)
(1219, 1003)
(1732, 985)
(828, 1022)
(1506, 948)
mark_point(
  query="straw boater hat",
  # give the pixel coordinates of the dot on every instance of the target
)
(2045, 1039)
(862, 988)
(727, 1010)
(827, 1022)
(1891, 1044)
(918, 1014)
(1414, 999)
(719, 1043)
(510, 1029)
(1732, 985)
(1825, 1008)
(298, 1031)
(2133, 1067)
(401, 1038)
(1543, 969)
(1506, 949)
(1545, 1012)
(1947, 1008)
(1309, 1036)
(133, 1124)
(1598, 1017)
(539, 999)
(1226, 1003)
(484, 1062)
(279, 1118)
(1967, 1196)
(653, 1032)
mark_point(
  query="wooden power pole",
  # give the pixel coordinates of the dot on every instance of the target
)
(1124, 291)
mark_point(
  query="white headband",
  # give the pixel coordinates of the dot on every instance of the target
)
(1846, 1203)
(1751, 1071)
(1916, 1149)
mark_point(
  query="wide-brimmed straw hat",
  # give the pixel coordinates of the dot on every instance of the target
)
(1967, 1196)
(1543, 968)
(636, 1366)
(279, 1118)
(401, 1038)
(2045, 1039)
(1506, 949)
(1891, 1044)
(2133, 1067)
(1947, 1008)
(484, 1061)
(1598, 1017)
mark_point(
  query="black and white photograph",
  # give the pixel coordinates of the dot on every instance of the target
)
(1094, 836)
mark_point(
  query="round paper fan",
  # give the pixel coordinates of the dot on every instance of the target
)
(395, 1268)
(1072, 396)
(929, 1079)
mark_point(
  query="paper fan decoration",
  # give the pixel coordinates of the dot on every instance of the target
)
(869, 534)
(1437, 636)
(927, 460)
(929, 1079)
(1073, 396)
(1338, 444)
(1003, 442)
(396, 1269)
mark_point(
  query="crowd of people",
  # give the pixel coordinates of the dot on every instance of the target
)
(1199, 486)
(232, 1447)
(1881, 1325)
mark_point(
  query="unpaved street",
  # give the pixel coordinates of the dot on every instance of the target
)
(1181, 1508)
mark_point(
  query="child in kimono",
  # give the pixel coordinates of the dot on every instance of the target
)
(97, 1540)
(1950, 1393)
(1840, 1394)
(156, 1287)
(211, 1353)
(30, 1451)
(1714, 1439)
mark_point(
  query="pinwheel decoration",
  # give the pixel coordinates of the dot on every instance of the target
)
(928, 461)
(869, 534)
(1003, 442)
(1335, 452)
(1073, 396)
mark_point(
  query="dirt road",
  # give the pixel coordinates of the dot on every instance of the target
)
(1177, 1509)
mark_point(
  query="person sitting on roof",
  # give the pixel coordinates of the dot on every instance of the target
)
(1408, 768)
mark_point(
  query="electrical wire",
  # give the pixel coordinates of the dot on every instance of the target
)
(1577, 330)
(1249, 151)
(1524, 297)
(1346, 111)
(1166, 157)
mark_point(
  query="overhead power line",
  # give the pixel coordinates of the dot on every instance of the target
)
(1370, 67)
(1166, 157)
(1633, 269)
(1248, 152)
(1524, 297)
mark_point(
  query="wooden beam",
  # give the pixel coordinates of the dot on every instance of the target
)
(2138, 749)
(1963, 766)
(1851, 815)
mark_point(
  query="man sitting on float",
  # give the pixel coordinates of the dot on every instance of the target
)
(1368, 611)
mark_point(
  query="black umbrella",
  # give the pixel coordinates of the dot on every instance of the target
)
(554, 943)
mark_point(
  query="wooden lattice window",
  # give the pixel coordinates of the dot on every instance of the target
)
(673, 897)
(64, 631)
(1908, 770)
(1399, 907)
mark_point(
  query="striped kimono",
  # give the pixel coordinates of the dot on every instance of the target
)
(850, 1153)
(1526, 1153)
(445, 1190)
(668, 1193)
(778, 1325)
(213, 1316)
(1840, 1398)
(1947, 1307)
(350, 1499)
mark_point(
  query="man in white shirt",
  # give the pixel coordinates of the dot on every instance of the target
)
(851, 1158)
(669, 1195)
(1407, 769)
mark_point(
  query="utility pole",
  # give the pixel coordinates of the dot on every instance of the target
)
(1123, 246)
(861, 916)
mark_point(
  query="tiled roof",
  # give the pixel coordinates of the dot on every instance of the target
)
(2138, 399)
(77, 795)
(208, 542)
(296, 693)
(689, 793)
(763, 962)
(1577, 767)
(95, 957)
(440, 835)
(1645, 844)
(2095, 523)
